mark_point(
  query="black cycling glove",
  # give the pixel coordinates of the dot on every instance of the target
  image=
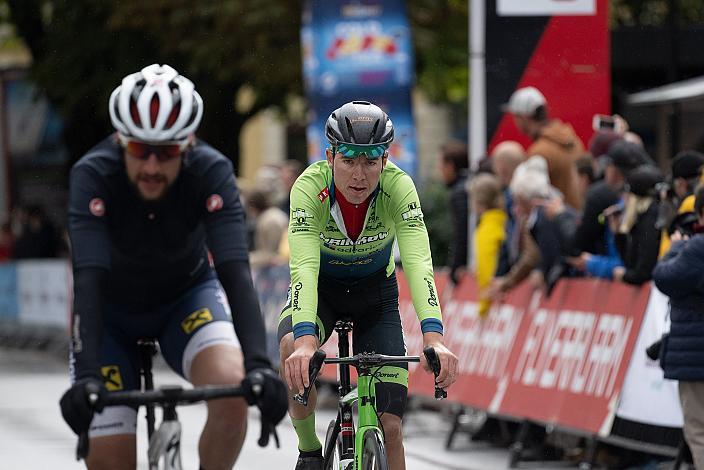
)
(272, 400)
(75, 407)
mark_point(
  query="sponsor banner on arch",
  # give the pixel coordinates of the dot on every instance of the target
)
(359, 51)
(560, 360)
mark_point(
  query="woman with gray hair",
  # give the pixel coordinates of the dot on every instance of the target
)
(546, 223)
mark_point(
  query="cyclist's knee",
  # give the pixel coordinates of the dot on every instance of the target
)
(286, 347)
(392, 428)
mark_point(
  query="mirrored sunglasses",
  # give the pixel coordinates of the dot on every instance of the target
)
(372, 151)
(164, 151)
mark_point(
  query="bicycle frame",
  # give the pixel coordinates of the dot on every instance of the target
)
(364, 395)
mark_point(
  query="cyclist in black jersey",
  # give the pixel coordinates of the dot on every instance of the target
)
(159, 251)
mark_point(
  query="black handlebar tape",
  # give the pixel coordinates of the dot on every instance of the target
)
(434, 363)
(433, 360)
(316, 363)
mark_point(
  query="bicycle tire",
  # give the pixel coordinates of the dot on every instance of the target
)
(373, 451)
(334, 462)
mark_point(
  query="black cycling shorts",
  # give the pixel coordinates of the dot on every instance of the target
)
(372, 305)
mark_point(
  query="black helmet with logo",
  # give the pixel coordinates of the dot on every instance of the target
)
(359, 123)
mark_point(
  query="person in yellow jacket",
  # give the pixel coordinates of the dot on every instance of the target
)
(487, 203)
(686, 175)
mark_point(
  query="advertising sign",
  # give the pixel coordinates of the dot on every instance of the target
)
(560, 360)
(545, 7)
(8, 292)
(560, 47)
(359, 51)
(44, 292)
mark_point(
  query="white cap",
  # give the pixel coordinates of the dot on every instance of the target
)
(524, 101)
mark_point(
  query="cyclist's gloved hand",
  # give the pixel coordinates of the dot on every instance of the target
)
(272, 399)
(75, 407)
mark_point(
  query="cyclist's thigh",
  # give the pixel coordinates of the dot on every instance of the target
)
(199, 319)
(378, 329)
(119, 366)
(324, 321)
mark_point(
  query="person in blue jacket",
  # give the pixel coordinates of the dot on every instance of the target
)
(680, 275)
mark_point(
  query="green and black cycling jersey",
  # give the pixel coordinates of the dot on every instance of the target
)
(319, 244)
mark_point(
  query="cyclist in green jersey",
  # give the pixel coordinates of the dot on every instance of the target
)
(345, 213)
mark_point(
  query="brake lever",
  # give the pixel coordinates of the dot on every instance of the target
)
(434, 363)
(267, 431)
(314, 367)
(83, 446)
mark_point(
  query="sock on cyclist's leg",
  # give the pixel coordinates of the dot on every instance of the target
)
(305, 430)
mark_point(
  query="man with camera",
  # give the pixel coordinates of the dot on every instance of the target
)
(677, 197)
(680, 275)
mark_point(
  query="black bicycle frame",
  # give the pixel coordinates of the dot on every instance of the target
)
(344, 427)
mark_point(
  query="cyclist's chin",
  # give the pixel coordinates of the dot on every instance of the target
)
(151, 190)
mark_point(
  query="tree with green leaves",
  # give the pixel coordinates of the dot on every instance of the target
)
(83, 48)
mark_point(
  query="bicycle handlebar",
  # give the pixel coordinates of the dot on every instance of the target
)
(370, 360)
(174, 396)
(367, 360)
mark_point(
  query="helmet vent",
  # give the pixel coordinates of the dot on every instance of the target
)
(373, 133)
(350, 130)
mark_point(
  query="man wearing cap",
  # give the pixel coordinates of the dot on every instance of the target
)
(553, 139)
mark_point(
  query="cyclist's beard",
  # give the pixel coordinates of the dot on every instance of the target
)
(151, 187)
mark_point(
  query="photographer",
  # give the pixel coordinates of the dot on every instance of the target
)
(677, 197)
(680, 275)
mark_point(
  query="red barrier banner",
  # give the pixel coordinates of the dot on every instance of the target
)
(560, 360)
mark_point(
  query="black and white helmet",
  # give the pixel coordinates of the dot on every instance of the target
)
(359, 122)
(156, 104)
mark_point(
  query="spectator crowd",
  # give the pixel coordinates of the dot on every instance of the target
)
(561, 209)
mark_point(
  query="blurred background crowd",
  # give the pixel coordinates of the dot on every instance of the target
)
(552, 202)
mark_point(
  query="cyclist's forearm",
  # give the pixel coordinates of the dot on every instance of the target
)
(236, 279)
(87, 323)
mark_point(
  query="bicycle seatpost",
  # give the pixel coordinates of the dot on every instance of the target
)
(434, 363)
(314, 367)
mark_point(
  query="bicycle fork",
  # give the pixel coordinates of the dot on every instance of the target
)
(166, 442)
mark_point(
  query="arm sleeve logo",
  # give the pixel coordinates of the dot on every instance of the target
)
(214, 203)
(96, 206)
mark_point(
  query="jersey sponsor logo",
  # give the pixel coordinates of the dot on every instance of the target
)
(214, 203)
(196, 319)
(111, 377)
(96, 206)
(330, 242)
(387, 375)
(413, 212)
(296, 294)
(299, 216)
(357, 262)
(432, 298)
(323, 195)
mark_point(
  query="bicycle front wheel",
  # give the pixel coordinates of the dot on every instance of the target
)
(332, 438)
(373, 451)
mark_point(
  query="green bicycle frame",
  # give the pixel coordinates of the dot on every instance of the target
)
(367, 417)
